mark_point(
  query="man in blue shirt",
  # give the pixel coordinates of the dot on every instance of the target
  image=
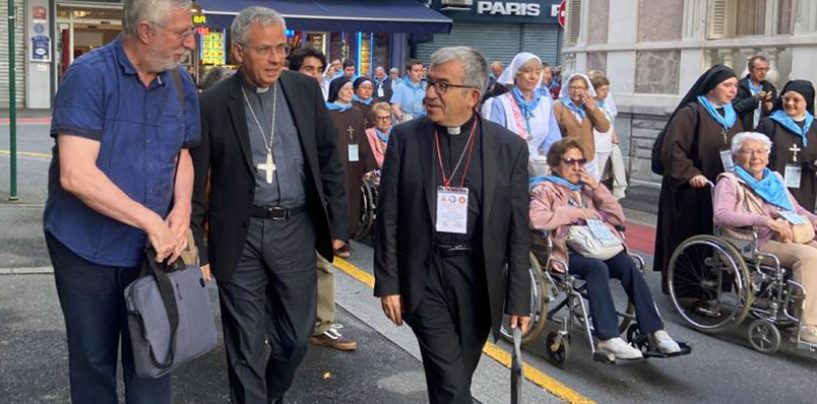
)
(120, 127)
(407, 100)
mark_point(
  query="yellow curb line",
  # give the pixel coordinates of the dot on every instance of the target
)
(496, 353)
(27, 154)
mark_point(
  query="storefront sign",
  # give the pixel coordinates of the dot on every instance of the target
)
(212, 48)
(38, 34)
(499, 11)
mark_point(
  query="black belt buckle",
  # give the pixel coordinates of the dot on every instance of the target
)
(274, 212)
(454, 249)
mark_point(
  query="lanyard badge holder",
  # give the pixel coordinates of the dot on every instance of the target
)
(452, 202)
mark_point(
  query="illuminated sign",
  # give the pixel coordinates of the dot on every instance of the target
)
(213, 50)
(199, 19)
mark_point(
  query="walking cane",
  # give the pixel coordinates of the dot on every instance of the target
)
(516, 367)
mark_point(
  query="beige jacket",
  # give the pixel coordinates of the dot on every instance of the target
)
(583, 131)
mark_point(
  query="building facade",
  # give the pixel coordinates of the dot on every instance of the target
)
(654, 50)
(499, 29)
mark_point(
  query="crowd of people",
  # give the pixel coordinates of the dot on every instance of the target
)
(265, 168)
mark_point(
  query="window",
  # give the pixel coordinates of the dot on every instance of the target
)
(738, 18)
(573, 20)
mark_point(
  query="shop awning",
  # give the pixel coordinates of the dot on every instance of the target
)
(407, 16)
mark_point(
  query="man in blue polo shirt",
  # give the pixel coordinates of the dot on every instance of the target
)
(119, 127)
(407, 100)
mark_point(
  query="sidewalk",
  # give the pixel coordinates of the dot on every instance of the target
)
(27, 116)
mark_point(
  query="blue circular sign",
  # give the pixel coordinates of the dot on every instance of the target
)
(39, 28)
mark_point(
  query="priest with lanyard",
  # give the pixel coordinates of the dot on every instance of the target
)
(451, 214)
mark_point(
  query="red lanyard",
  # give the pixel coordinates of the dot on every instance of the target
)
(469, 147)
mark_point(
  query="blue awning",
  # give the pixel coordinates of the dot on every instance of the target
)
(407, 16)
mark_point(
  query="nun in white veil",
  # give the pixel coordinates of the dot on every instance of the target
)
(578, 115)
(525, 111)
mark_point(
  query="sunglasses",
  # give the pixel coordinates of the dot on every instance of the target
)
(571, 161)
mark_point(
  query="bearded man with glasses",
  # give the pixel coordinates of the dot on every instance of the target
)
(268, 146)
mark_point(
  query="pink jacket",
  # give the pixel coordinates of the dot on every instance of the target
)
(550, 210)
(378, 150)
(730, 210)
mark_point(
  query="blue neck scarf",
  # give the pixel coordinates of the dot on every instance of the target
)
(333, 106)
(360, 100)
(729, 117)
(770, 188)
(526, 107)
(785, 120)
(754, 90)
(566, 101)
(556, 180)
(384, 137)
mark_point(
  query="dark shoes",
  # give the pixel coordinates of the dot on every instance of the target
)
(331, 338)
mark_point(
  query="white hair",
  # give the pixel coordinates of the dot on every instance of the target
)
(155, 11)
(262, 16)
(740, 138)
(476, 68)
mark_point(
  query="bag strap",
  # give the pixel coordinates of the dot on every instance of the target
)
(168, 301)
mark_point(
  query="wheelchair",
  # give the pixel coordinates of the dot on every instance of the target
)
(559, 297)
(368, 204)
(716, 282)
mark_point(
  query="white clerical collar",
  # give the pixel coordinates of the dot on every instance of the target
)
(261, 90)
(454, 130)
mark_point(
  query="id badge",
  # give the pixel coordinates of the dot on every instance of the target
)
(726, 160)
(380, 93)
(792, 175)
(601, 232)
(792, 217)
(452, 210)
(354, 153)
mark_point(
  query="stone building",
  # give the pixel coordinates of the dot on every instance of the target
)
(654, 50)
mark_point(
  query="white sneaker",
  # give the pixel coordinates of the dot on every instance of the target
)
(620, 349)
(665, 344)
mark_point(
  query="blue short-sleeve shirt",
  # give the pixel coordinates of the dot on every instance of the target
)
(140, 130)
(410, 97)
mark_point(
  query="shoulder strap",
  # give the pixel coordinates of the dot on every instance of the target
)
(179, 84)
(168, 301)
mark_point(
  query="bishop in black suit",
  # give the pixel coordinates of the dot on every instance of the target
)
(264, 224)
(452, 281)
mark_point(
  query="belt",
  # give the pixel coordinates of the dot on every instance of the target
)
(275, 212)
(448, 250)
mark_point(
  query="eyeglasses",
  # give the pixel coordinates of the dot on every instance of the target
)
(265, 50)
(758, 152)
(442, 86)
(383, 118)
(571, 161)
(183, 34)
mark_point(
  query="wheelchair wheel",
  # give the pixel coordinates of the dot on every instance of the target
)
(367, 210)
(539, 296)
(709, 283)
(557, 347)
(764, 336)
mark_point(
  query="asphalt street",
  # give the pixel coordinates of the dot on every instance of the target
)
(33, 359)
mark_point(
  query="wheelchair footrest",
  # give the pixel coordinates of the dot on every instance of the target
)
(610, 359)
(655, 353)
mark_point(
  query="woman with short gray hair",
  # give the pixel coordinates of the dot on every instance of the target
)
(755, 196)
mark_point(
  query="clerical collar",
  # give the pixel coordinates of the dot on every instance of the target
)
(252, 87)
(458, 130)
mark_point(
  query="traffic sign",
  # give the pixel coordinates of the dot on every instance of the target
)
(561, 15)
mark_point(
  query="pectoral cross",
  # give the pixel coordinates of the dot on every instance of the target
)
(794, 149)
(351, 132)
(268, 167)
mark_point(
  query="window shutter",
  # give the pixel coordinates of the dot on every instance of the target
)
(573, 20)
(718, 19)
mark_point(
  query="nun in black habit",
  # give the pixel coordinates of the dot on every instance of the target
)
(695, 150)
(794, 140)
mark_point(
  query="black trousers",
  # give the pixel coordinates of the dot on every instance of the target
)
(93, 305)
(271, 296)
(452, 323)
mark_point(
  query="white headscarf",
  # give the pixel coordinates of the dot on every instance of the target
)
(565, 90)
(509, 74)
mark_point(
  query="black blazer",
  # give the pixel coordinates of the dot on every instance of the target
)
(387, 90)
(406, 208)
(226, 155)
(745, 105)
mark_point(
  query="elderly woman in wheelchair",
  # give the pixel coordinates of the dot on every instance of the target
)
(581, 216)
(780, 235)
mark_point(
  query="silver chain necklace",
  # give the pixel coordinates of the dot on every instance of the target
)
(269, 165)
